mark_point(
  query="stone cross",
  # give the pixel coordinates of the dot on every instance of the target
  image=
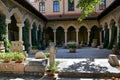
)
(52, 50)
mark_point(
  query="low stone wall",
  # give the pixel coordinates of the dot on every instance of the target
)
(36, 68)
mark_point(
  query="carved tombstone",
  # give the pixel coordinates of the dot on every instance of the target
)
(52, 50)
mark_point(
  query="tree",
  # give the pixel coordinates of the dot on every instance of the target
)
(87, 7)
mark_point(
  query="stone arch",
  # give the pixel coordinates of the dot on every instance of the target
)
(113, 36)
(60, 36)
(112, 22)
(72, 26)
(83, 35)
(28, 18)
(13, 29)
(94, 36)
(33, 22)
(71, 33)
(17, 14)
(49, 35)
(3, 9)
(60, 25)
(111, 18)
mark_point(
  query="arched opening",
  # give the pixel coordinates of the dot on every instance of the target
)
(106, 35)
(13, 30)
(113, 40)
(71, 34)
(94, 35)
(34, 35)
(49, 35)
(83, 35)
(25, 35)
(2, 27)
(39, 36)
(60, 36)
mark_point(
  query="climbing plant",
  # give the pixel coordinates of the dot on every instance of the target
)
(26, 36)
(113, 34)
(34, 38)
(106, 38)
(119, 41)
(39, 38)
(3, 33)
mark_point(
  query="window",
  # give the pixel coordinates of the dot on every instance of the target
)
(42, 7)
(56, 6)
(102, 5)
(70, 5)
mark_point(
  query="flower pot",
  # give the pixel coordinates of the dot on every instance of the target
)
(19, 60)
(7, 60)
(72, 50)
(49, 73)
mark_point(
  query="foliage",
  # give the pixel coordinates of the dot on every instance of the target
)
(19, 56)
(72, 45)
(2, 55)
(54, 68)
(34, 35)
(2, 27)
(8, 56)
(113, 34)
(87, 7)
(34, 47)
(106, 39)
(26, 36)
(3, 33)
(47, 54)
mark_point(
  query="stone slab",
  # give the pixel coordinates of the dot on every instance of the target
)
(12, 67)
(33, 68)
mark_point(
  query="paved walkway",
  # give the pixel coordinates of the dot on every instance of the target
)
(86, 52)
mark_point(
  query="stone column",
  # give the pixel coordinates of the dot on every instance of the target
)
(65, 37)
(37, 34)
(77, 42)
(118, 31)
(30, 40)
(20, 25)
(100, 37)
(7, 22)
(110, 31)
(54, 36)
(89, 30)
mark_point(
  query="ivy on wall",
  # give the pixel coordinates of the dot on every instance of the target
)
(34, 38)
(113, 35)
(39, 38)
(106, 38)
(3, 33)
(26, 36)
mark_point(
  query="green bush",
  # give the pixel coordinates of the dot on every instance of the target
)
(72, 45)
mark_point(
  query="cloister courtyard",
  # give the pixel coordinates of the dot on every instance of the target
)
(27, 28)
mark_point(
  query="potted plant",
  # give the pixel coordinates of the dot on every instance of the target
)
(34, 49)
(116, 49)
(51, 70)
(72, 48)
(47, 54)
(19, 57)
(8, 57)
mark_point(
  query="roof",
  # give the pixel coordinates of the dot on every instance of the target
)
(72, 16)
(110, 8)
(29, 7)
